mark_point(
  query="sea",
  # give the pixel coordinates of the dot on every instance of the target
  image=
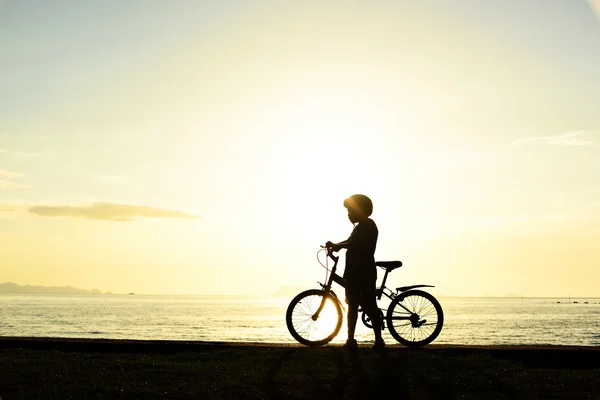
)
(468, 320)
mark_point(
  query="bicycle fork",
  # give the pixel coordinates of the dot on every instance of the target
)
(326, 290)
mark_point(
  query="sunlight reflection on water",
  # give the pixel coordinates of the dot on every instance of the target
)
(262, 319)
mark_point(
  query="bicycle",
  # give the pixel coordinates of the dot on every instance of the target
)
(414, 317)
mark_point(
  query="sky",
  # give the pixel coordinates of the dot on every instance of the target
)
(195, 147)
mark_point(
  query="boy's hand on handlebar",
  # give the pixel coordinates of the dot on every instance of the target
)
(333, 246)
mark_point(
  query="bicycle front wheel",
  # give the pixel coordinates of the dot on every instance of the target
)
(307, 327)
(415, 318)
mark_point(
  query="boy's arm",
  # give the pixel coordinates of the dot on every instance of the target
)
(337, 246)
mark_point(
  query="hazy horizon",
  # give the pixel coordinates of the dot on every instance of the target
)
(296, 291)
(207, 147)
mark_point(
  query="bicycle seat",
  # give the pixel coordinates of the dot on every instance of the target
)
(389, 265)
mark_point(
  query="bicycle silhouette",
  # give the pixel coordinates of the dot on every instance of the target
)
(414, 317)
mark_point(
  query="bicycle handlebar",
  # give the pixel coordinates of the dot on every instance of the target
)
(330, 252)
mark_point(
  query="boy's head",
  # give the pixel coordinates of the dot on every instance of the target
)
(359, 206)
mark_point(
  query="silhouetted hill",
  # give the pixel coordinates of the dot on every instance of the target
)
(10, 287)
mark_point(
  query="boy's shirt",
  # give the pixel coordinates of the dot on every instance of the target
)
(360, 257)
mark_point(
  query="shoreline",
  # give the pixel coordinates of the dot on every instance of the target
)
(40, 341)
(555, 356)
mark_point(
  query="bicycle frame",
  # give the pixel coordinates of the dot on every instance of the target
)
(333, 277)
(381, 291)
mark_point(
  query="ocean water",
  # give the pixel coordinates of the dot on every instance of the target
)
(262, 319)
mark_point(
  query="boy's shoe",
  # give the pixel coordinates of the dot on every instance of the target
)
(379, 345)
(351, 345)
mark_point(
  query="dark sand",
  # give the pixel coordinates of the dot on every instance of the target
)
(106, 368)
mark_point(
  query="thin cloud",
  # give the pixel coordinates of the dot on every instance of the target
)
(19, 153)
(12, 185)
(4, 184)
(7, 208)
(109, 212)
(12, 211)
(572, 138)
(9, 174)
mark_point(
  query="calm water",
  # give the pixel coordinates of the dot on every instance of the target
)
(261, 319)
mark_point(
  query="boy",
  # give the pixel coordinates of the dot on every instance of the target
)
(360, 273)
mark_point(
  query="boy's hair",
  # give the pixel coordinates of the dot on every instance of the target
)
(361, 203)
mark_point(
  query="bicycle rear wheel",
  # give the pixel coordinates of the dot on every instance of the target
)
(415, 318)
(302, 324)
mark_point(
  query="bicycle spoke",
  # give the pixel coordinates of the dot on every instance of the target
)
(303, 307)
(302, 324)
(314, 331)
(419, 306)
(306, 326)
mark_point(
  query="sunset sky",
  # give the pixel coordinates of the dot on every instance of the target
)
(196, 147)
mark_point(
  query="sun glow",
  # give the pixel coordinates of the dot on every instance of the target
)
(323, 152)
(328, 318)
(261, 120)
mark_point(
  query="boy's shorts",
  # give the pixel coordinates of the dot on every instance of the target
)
(360, 292)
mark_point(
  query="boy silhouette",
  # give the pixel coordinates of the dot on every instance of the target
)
(360, 272)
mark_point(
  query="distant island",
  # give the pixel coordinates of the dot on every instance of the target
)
(10, 287)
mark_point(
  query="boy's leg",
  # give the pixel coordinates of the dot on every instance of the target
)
(373, 313)
(352, 318)
(352, 297)
(369, 305)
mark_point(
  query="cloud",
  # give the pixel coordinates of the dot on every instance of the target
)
(19, 153)
(109, 212)
(9, 174)
(5, 208)
(12, 211)
(12, 185)
(571, 138)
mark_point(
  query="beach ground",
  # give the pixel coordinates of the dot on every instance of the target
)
(43, 368)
